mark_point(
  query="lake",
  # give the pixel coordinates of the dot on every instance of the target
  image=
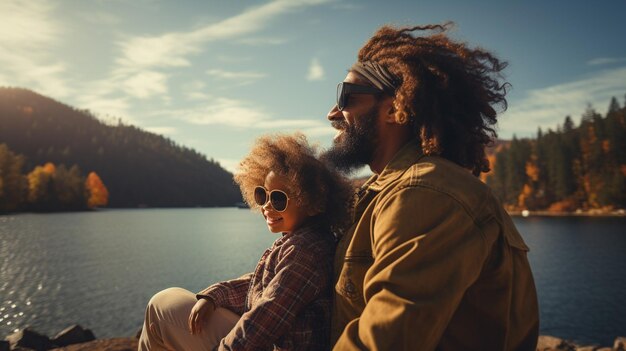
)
(99, 269)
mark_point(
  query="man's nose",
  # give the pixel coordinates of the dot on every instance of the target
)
(334, 113)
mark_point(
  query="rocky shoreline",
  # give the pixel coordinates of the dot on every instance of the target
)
(76, 338)
(589, 213)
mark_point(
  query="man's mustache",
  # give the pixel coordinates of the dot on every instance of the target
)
(339, 125)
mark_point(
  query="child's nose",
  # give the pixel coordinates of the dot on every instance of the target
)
(267, 206)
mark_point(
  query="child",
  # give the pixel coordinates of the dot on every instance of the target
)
(285, 303)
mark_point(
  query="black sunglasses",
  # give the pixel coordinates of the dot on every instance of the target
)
(277, 198)
(345, 89)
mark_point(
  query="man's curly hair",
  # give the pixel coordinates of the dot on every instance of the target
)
(447, 90)
(314, 186)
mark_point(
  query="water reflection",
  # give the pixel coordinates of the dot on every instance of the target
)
(99, 269)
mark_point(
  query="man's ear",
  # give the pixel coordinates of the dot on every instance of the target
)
(389, 110)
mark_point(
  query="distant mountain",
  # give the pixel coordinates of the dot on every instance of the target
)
(139, 168)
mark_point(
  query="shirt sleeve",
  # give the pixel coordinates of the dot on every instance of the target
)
(296, 283)
(230, 294)
(427, 252)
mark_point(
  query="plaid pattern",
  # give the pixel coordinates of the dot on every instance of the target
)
(285, 304)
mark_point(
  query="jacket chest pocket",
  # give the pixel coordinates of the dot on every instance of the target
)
(350, 281)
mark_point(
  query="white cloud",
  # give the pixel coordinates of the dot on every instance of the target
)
(113, 107)
(136, 68)
(146, 84)
(99, 18)
(229, 164)
(346, 6)
(606, 61)
(218, 111)
(316, 71)
(548, 106)
(243, 75)
(233, 58)
(260, 41)
(240, 114)
(194, 90)
(162, 130)
(27, 24)
(28, 34)
(172, 49)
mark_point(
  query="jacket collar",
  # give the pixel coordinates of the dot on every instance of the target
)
(408, 155)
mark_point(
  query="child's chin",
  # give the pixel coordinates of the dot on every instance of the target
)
(274, 229)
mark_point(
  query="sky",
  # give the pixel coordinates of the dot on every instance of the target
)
(215, 75)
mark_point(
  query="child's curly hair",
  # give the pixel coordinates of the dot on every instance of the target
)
(316, 187)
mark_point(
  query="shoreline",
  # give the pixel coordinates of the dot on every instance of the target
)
(544, 343)
(592, 213)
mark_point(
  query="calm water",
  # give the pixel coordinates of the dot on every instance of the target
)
(99, 269)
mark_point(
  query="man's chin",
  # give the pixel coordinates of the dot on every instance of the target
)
(342, 158)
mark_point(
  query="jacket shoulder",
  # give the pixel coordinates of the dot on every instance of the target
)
(450, 179)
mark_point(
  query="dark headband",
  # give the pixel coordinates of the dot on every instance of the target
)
(377, 75)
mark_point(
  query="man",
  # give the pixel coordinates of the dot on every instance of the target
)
(432, 261)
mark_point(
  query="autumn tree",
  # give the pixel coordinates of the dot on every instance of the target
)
(97, 193)
(40, 187)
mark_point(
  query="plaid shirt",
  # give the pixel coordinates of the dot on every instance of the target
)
(285, 304)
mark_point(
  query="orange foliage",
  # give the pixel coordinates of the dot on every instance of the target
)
(98, 193)
(567, 205)
(49, 168)
(27, 110)
(492, 164)
(532, 171)
(38, 181)
(591, 133)
(606, 146)
(526, 193)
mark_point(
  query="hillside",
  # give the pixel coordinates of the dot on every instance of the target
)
(138, 168)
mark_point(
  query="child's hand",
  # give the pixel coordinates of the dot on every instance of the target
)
(200, 313)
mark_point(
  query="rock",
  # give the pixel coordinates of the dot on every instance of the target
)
(27, 338)
(73, 335)
(546, 343)
(620, 344)
(587, 348)
(550, 343)
(4, 345)
(116, 344)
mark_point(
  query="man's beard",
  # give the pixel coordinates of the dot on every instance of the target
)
(356, 148)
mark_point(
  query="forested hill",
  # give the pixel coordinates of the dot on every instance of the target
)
(568, 169)
(138, 168)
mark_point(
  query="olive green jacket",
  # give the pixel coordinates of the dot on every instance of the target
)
(432, 261)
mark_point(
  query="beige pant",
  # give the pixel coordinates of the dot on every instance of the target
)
(166, 327)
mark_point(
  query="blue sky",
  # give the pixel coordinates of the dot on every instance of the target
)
(214, 75)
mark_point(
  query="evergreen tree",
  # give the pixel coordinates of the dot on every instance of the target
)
(613, 106)
(12, 182)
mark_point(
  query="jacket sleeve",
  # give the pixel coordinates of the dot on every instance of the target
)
(296, 283)
(427, 252)
(230, 294)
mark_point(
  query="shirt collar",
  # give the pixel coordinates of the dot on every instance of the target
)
(408, 155)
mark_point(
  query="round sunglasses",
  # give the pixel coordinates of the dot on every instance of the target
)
(277, 198)
(344, 90)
